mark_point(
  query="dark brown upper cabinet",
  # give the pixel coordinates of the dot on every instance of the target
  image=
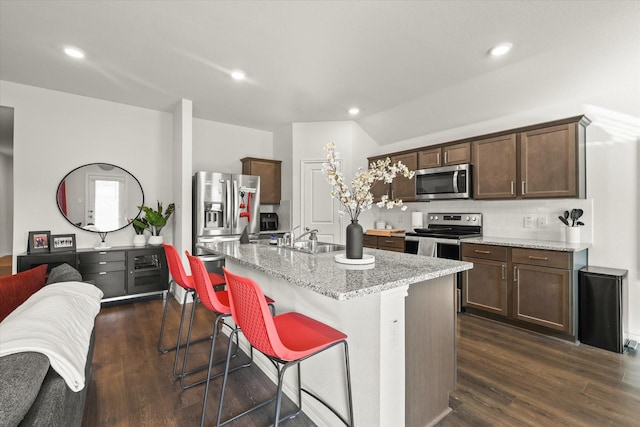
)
(269, 172)
(546, 161)
(494, 168)
(454, 154)
(549, 162)
(401, 187)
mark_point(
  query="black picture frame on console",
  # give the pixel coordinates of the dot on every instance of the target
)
(39, 242)
(63, 243)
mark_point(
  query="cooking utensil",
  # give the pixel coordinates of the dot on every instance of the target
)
(575, 214)
(564, 220)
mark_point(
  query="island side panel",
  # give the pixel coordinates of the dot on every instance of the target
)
(430, 351)
(361, 320)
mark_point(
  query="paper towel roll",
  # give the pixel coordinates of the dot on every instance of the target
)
(416, 219)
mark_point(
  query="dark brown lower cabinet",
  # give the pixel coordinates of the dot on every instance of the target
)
(542, 296)
(487, 289)
(387, 243)
(532, 288)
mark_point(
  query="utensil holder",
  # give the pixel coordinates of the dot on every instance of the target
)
(572, 234)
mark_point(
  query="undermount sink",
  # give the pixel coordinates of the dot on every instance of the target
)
(322, 247)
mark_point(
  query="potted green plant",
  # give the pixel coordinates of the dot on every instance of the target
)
(139, 225)
(156, 220)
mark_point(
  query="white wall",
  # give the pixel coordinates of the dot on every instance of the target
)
(55, 132)
(218, 147)
(69, 130)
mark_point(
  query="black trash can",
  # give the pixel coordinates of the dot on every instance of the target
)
(600, 307)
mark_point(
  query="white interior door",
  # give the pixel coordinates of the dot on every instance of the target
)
(318, 209)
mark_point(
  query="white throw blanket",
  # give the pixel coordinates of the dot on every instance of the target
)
(56, 321)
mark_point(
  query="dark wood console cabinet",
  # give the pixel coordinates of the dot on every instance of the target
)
(120, 272)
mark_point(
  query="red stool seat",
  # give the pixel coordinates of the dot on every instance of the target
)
(302, 335)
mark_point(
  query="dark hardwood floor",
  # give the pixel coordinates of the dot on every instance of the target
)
(133, 385)
(506, 377)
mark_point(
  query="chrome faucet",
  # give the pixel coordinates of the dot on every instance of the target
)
(307, 231)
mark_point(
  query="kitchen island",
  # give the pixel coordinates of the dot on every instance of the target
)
(399, 314)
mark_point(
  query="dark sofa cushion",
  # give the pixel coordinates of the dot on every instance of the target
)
(16, 289)
(64, 273)
(21, 377)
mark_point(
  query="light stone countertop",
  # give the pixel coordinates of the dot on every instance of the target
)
(321, 274)
(528, 243)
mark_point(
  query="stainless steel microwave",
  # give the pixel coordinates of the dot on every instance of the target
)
(447, 182)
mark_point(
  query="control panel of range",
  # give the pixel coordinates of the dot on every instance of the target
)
(455, 219)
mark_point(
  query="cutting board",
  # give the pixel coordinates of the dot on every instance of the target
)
(376, 232)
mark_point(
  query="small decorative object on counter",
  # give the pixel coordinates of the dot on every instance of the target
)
(571, 220)
(273, 240)
(357, 196)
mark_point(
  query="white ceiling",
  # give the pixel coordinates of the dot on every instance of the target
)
(413, 67)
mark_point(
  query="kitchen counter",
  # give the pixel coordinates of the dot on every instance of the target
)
(528, 243)
(321, 274)
(399, 315)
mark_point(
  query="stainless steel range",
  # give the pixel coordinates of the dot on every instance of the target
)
(441, 238)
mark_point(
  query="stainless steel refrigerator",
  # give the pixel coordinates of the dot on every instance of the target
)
(224, 205)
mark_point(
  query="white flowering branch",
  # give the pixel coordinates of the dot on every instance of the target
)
(357, 196)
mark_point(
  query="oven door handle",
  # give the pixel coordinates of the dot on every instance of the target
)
(455, 182)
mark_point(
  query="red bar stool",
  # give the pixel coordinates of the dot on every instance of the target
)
(217, 303)
(180, 278)
(286, 339)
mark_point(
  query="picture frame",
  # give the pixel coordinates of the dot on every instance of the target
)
(63, 243)
(39, 242)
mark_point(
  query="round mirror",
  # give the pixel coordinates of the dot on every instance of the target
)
(100, 197)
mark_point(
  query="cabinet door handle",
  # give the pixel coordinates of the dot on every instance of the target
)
(540, 258)
(388, 241)
(515, 274)
(446, 156)
(482, 252)
(103, 272)
(102, 262)
(102, 253)
(524, 187)
(513, 187)
(438, 158)
(504, 271)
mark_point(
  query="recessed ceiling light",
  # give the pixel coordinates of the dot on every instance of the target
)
(500, 49)
(238, 75)
(354, 111)
(74, 52)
